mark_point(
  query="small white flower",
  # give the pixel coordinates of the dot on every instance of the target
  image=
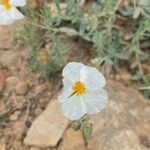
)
(83, 91)
(9, 13)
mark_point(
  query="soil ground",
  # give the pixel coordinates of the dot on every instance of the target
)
(24, 94)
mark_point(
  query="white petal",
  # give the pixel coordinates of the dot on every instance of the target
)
(74, 108)
(5, 19)
(2, 9)
(93, 79)
(16, 14)
(72, 71)
(67, 91)
(95, 101)
(18, 2)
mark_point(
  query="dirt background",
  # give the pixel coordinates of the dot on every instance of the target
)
(24, 95)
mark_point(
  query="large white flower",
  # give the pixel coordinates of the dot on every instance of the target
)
(83, 91)
(9, 13)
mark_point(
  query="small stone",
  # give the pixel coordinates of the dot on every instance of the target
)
(128, 36)
(10, 59)
(2, 144)
(48, 128)
(11, 82)
(21, 88)
(41, 88)
(18, 129)
(38, 111)
(72, 140)
(48, 46)
(18, 112)
(15, 116)
(52, 6)
(33, 4)
(118, 77)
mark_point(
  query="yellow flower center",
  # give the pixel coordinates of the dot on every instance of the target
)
(79, 88)
(6, 4)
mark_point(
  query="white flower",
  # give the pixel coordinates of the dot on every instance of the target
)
(83, 91)
(9, 13)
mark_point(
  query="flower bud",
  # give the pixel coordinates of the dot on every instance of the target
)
(76, 125)
(87, 130)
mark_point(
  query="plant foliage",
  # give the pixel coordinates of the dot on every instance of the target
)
(118, 30)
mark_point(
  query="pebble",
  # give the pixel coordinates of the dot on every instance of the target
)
(15, 116)
(18, 129)
(9, 59)
(21, 88)
(38, 111)
(11, 82)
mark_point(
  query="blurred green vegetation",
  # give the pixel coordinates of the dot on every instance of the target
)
(118, 29)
